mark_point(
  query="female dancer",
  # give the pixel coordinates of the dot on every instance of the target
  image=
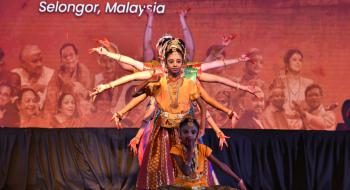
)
(173, 94)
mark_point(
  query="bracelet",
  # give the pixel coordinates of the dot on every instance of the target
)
(120, 56)
(149, 26)
(185, 29)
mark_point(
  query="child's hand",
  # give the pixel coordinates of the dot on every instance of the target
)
(242, 185)
(133, 143)
(222, 139)
(201, 132)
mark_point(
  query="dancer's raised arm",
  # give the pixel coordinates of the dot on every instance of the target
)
(211, 101)
(187, 34)
(222, 137)
(117, 117)
(206, 77)
(119, 57)
(144, 75)
(223, 62)
(148, 54)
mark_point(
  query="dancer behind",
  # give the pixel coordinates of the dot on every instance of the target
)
(193, 69)
(190, 72)
(148, 53)
(173, 94)
(191, 158)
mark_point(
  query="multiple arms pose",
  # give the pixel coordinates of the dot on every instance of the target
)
(206, 77)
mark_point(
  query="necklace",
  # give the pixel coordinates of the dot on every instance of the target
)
(173, 88)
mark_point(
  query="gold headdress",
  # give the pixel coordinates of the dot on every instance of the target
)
(175, 44)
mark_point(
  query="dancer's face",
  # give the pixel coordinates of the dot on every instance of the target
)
(295, 63)
(67, 106)
(188, 134)
(174, 63)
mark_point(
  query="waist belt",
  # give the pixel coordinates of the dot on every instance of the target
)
(171, 120)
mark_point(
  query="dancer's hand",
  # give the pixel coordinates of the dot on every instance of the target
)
(255, 90)
(117, 120)
(226, 40)
(98, 89)
(99, 50)
(184, 12)
(133, 145)
(104, 42)
(201, 132)
(222, 139)
(234, 120)
(244, 58)
(242, 185)
(149, 13)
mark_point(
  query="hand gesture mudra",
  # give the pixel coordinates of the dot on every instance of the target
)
(117, 120)
(226, 40)
(222, 140)
(99, 50)
(244, 58)
(234, 119)
(133, 145)
(104, 42)
(98, 89)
